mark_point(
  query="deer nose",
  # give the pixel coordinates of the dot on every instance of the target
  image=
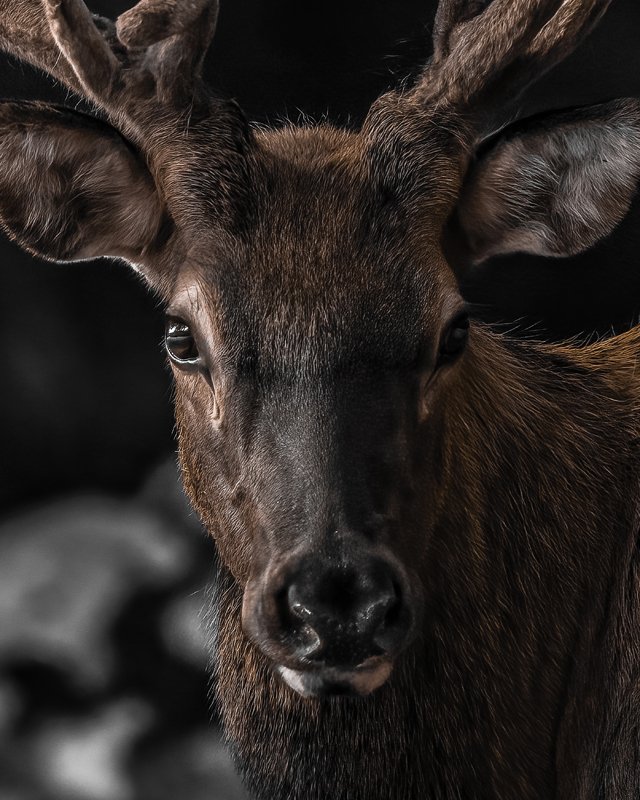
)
(343, 614)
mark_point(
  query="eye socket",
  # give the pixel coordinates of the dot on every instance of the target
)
(179, 342)
(454, 339)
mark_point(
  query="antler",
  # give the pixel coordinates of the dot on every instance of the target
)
(154, 51)
(25, 32)
(486, 51)
(144, 73)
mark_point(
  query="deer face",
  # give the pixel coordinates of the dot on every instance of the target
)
(315, 330)
(305, 405)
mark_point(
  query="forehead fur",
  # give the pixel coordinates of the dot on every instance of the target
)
(329, 263)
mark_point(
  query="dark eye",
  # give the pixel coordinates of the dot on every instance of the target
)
(454, 339)
(179, 341)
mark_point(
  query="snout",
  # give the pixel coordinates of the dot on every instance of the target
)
(331, 625)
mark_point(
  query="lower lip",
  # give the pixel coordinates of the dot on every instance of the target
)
(332, 682)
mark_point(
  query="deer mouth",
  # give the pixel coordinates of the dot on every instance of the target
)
(333, 682)
(331, 627)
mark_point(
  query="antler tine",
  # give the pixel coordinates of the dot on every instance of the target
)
(25, 32)
(154, 51)
(163, 39)
(559, 37)
(175, 35)
(152, 21)
(83, 46)
(485, 52)
(449, 14)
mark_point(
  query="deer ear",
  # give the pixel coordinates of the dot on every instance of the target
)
(71, 188)
(552, 185)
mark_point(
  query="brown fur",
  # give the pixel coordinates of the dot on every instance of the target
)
(500, 707)
(323, 420)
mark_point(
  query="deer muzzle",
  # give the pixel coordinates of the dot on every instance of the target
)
(331, 625)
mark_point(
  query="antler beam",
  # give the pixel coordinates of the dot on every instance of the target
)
(25, 33)
(486, 52)
(155, 50)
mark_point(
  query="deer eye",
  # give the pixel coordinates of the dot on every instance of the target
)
(179, 342)
(454, 339)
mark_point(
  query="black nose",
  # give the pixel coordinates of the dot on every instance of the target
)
(342, 613)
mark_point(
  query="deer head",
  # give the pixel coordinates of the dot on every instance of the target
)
(314, 325)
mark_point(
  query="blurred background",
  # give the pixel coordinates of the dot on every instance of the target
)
(103, 569)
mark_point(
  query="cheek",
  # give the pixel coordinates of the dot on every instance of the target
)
(196, 402)
(211, 478)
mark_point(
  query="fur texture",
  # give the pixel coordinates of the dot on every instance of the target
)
(555, 186)
(523, 682)
(326, 413)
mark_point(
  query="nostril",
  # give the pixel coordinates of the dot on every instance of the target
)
(342, 614)
(384, 609)
(297, 605)
(296, 617)
(392, 627)
(308, 644)
(392, 614)
(374, 612)
(395, 606)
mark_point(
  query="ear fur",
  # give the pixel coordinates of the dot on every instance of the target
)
(552, 185)
(71, 188)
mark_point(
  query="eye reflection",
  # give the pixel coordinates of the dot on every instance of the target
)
(179, 341)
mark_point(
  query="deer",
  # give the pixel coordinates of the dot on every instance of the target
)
(427, 528)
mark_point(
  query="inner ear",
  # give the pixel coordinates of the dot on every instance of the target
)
(72, 188)
(552, 185)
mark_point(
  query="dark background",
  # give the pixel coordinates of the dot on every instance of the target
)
(86, 441)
